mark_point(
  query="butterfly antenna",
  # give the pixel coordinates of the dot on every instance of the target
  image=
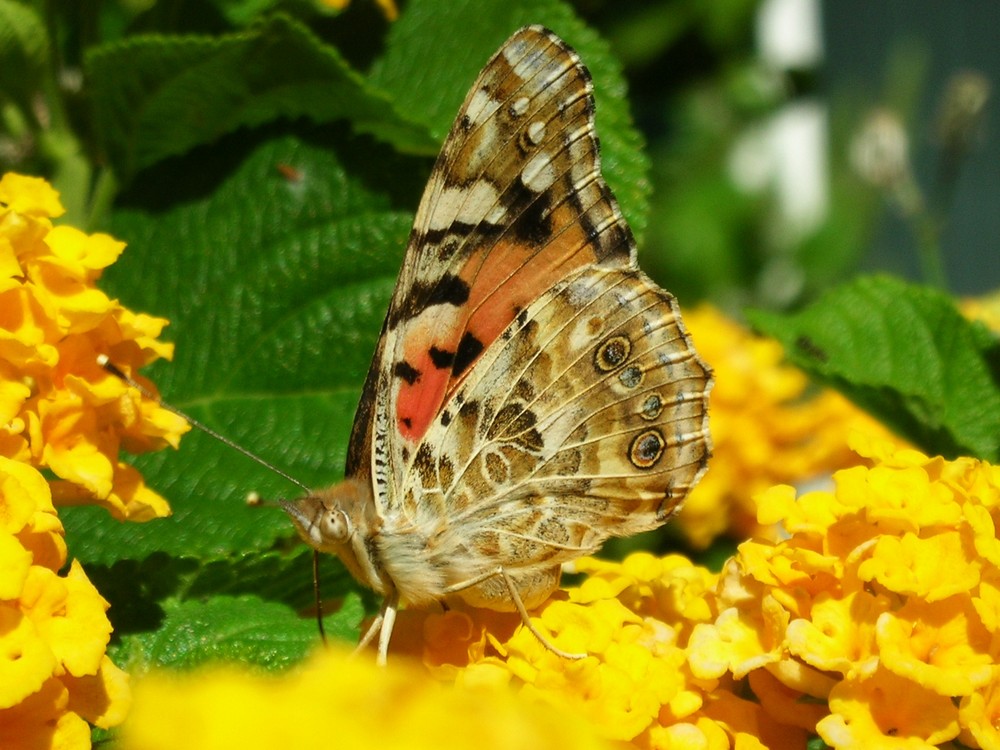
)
(253, 499)
(109, 366)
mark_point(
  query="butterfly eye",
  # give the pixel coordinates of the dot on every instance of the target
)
(334, 526)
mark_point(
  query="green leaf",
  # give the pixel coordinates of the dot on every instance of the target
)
(245, 629)
(24, 52)
(905, 354)
(454, 40)
(156, 96)
(155, 599)
(137, 588)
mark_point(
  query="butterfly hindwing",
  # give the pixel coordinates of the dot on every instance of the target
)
(586, 419)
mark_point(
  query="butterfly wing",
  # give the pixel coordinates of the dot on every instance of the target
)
(514, 204)
(539, 393)
(532, 392)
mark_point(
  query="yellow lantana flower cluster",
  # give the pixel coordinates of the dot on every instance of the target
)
(59, 410)
(634, 619)
(54, 674)
(64, 414)
(767, 426)
(876, 623)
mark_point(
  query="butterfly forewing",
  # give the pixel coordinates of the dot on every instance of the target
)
(514, 204)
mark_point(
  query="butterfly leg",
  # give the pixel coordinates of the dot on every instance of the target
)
(521, 610)
(382, 626)
(369, 635)
(516, 597)
(388, 623)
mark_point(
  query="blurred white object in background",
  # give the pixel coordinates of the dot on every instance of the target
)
(787, 155)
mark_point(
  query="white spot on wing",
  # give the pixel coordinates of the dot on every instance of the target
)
(480, 104)
(479, 202)
(536, 132)
(538, 174)
(498, 215)
(513, 51)
(466, 205)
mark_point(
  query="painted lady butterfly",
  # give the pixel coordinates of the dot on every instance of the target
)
(533, 392)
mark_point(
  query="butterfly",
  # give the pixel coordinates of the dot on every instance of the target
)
(533, 392)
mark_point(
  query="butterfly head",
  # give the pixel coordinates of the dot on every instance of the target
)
(334, 520)
(327, 519)
(322, 525)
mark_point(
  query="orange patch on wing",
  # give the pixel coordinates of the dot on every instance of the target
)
(502, 282)
(419, 402)
(516, 275)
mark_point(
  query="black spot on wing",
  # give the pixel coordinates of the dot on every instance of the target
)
(441, 358)
(459, 234)
(407, 372)
(468, 349)
(448, 290)
(534, 224)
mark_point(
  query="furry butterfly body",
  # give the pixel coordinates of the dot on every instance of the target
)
(533, 392)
